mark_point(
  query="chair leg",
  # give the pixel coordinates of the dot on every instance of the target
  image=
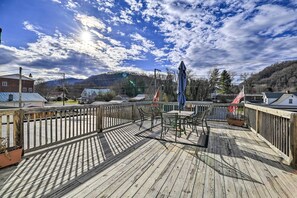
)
(196, 130)
(141, 124)
(175, 134)
(203, 127)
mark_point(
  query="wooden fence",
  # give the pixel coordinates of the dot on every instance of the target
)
(218, 112)
(35, 128)
(277, 127)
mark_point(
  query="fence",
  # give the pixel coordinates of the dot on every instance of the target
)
(39, 127)
(9, 126)
(218, 112)
(35, 128)
(277, 127)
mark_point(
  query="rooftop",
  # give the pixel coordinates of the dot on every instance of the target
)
(16, 76)
(26, 97)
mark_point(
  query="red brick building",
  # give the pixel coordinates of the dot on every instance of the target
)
(10, 83)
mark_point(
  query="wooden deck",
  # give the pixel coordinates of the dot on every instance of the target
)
(120, 163)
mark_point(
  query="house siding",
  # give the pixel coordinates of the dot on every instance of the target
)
(13, 85)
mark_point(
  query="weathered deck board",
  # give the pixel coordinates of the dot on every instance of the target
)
(236, 163)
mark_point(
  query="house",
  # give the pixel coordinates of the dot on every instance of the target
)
(11, 99)
(89, 95)
(287, 99)
(270, 97)
(55, 96)
(10, 83)
(139, 97)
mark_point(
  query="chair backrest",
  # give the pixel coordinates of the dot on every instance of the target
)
(205, 114)
(170, 119)
(156, 111)
(141, 112)
(198, 117)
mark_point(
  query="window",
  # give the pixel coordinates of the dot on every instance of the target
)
(4, 84)
(290, 101)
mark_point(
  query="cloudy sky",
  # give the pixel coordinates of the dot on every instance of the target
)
(88, 37)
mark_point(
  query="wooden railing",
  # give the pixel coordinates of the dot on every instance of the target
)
(9, 126)
(277, 127)
(218, 111)
(35, 128)
(45, 126)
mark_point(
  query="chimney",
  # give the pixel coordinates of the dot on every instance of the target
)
(10, 97)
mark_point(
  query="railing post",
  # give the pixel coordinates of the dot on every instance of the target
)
(293, 140)
(99, 119)
(257, 121)
(134, 112)
(18, 128)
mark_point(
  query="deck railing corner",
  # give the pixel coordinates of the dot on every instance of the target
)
(293, 140)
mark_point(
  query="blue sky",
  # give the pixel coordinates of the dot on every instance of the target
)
(88, 37)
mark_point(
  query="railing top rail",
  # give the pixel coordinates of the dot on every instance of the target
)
(8, 111)
(277, 112)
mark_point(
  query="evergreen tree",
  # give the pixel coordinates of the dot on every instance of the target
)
(213, 79)
(225, 83)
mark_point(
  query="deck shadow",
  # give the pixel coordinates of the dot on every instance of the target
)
(56, 171)
(155, 134)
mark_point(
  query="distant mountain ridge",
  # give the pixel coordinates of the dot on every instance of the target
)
(101, 80)
(69, 81)
(277, 77)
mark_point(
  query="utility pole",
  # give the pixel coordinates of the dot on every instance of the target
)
(63, 89)
(155, 76)
(20, 88)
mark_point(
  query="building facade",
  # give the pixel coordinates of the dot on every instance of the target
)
(10, 83)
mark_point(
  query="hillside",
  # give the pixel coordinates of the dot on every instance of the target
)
(120, 82)
(277, 77)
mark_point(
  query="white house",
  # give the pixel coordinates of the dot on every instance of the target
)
(287, 99)
(139, 97)
(270, 97)
(89, 95)
(11, 99)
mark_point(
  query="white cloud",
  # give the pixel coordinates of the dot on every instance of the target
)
(57, 1)
(204, 35)
(134, 4)
(90, 21)
(233, 34)
(72, 5)
(30, 27)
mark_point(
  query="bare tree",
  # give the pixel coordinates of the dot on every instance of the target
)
(41, 87)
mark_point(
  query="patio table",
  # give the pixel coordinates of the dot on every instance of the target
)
(181, 117)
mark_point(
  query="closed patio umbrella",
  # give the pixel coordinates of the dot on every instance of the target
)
(182, 83)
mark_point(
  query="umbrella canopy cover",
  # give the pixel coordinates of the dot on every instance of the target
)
(181, 88)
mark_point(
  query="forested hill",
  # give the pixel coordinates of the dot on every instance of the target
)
(277, 77)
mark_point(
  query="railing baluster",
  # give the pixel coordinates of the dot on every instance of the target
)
(40, 129)
(80, 119)
(51, 126)
(28, 132)
(45, 123)
(8, 130)
(73, 122)
(65, 125)
(61, 125)
(34, 129)
(56, 125)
